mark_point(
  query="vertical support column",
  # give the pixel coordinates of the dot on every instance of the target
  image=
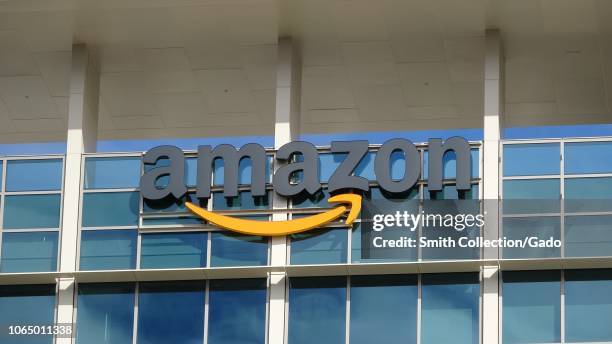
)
(288, 81)
(493, 102)
(82, 137)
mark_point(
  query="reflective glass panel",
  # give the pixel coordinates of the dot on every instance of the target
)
(112, 173)
(588, 194)
(231, 249)
(171, 312)
(531, 307)
(319, 246)
(237, 311)
(29, 251)
(110, 209)
(588, 157)
(108, 249)
(245, 170)
(450, 308)
(588, 236)
(27, 304)
(317, 310)
(540, 228)
(32, 211)
(383, 309)
(173, 250)
(244, 201)
(534, 159)
(34, 175)
(531, 196)
(318, 200)
(588, 306)
(105, 313)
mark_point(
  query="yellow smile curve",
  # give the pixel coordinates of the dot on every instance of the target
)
(275, 228)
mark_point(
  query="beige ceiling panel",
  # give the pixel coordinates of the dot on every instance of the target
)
(226, 90)
(55, 69)
(367, 52)
(569, 16)
(528, 80)
(138, 122)
(27, 97)
(426, 83)
(462, 18)
(39, 125)
(407, 18)
(321, 53)
(126, 94)
(254, 23)
(576, 97)
(326, 87)
(234, 119)
(577, 57)
(215, 56)
(432, 112)
(519, 17)
(418, 49)
(266, 104)
(168, 71)
(374, 74)
(465, 57)
(182, 109)
(121, 58)
(15, 59)
(45, 30)
(380, 101)
(335, 115)
(526, 110)
(360, 20)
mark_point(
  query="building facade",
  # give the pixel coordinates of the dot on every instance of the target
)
(87, 89)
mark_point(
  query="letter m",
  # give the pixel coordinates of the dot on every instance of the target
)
(231, 161)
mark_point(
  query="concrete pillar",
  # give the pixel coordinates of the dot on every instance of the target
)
(82, 137)
(493, 105)
(288, 81)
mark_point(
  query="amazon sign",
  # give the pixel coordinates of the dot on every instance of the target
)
(299, 157)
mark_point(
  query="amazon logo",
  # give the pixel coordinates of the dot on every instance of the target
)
(303, 158)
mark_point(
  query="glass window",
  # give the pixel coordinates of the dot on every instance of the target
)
(588, 306)
(171, 312)
(191, 170)
(110, 209)
(449, 164)
(244, 201)
(531, 307)
(588, 236)
(450, 308)
(328, 163)
(534, 159)
(232, 249)
(588, 157)
(105, 313)
(317, 310)
(108, 249)
(1, 171)
(27, 304)
(543, 228)
(237, 311)
(102, 173)
(173, 250)
(34, 175)
(32, 211)
(319, 246)
(531, 196)
(588, 194)
(383, 309)
(29, 251)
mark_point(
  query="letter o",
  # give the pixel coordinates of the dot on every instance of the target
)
(383, 170)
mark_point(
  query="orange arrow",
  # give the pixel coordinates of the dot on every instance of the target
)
(274, 228)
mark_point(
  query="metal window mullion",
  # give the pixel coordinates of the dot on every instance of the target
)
(500, 305)
(136, 305)
(209, 249)
(286, 326)
(206, 309)
(419, 307)
(562, 199)
(348, 310)
(562, 315)
(2, 203)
